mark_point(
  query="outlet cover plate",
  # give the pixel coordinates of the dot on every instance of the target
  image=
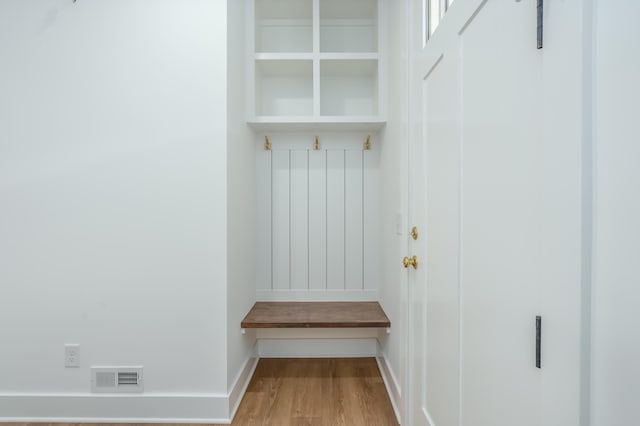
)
(72, 355)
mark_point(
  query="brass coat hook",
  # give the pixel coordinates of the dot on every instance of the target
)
(316, 145)
(367, 144)
(267, 144)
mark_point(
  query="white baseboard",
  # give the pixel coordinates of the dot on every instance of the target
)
(392, 385)
(90, 408)
(317, 295)
(240, 385)
(317, 348)
(188, 408)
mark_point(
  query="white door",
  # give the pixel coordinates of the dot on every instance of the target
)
(487, 196)
(434, 285)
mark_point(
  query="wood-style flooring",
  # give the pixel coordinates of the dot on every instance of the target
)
(318, 391)
(313, 392)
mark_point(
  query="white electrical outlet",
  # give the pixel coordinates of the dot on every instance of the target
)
(71, 355)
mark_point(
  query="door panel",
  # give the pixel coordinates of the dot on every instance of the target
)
(441, 236)
(476, 176)
(495, 141)
(501, 201)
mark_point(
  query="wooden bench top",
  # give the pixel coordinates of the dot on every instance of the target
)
(315, 315)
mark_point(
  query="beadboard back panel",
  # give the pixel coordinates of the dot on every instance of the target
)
(317, 218)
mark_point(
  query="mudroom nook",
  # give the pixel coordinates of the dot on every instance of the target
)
(322, 212)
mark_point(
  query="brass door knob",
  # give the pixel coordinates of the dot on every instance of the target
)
(410, 261)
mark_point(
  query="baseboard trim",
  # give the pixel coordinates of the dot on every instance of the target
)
(391, 383)
(90, 408)
(191, 408)
(114, 420)
(240, 384)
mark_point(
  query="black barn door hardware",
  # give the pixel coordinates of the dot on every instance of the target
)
(538, 339)
(540, 10)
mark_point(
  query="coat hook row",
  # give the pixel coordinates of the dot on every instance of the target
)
(316, 143)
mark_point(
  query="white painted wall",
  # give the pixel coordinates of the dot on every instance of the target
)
(615, 324)
(393, 186)
(113, 181)
(241, 199)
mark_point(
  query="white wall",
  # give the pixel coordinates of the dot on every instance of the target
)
(615, 323)
(393, 165)
(113, 182)
(241, 196)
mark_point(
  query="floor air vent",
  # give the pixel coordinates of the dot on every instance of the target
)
(116, 380)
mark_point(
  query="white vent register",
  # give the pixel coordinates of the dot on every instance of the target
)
(117, 380)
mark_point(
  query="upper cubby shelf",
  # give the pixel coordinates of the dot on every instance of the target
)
(348, 26)
(283, 26)
(315, 62)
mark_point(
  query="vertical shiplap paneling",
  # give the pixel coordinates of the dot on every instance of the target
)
(280, 195)
(263, 220)
(335, 219)
(353, 220)
(371, 220)
(299, 220)
(317, 220)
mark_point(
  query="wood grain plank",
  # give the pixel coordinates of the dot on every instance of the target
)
(263, 228)
(281, 215)
(335, 220)
(318, 220)
(372, 243)
(315, 315)
(354, 243)
(299, 220)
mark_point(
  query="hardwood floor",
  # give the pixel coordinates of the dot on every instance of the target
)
(310, 391)
(317, 391)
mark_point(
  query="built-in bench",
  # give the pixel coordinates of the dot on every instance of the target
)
(321, 329)
(316, 315)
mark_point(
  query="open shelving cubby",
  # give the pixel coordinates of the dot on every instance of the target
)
(284, 87)
(349, 88)
(316, 62)
(348, 26)
(283, 26)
